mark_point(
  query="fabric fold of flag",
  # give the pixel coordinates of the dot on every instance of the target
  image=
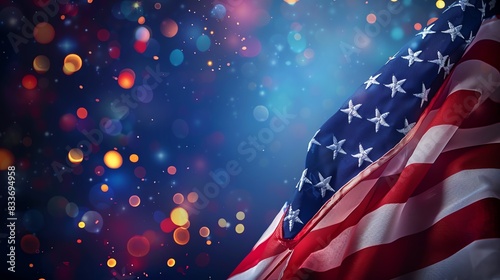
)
(418, 196)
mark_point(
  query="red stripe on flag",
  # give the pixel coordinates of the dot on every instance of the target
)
(408, 253)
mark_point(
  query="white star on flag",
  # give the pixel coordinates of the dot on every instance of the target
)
(423, 95)
(427, 30)
(406, 128)
(324, 184)
(292, 217)
(412, 57)
(379, 119)
(336, 147)
(441, 60)
(303, 179)
(352, 111)
(372, 81)
(454, 31)
(313, 141)
(395, 86)
(462, 4)
(363, 155)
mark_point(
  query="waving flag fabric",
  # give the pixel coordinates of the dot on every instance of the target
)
(404, 180)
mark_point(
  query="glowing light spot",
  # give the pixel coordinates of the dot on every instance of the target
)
(99, 170)
(210, 63)
(82, 113)
(417, 26)
(133, 158)
(41, 64)
(142, 34)
(181, 236)
(6, 159)
(178, 198)
(169, 28)
(209, 242)
(81, 224)
(167, 226)
(170, 262)
(179, 216)
(291, 2)
(371, 18)
(113, 159)
(204, 231)
(31, 265)
(43, 33)
(30, 244)
(239, 228)
(103, 35)
(104, 188)
(111, 262)
(75, 155)
(222, 223)
(138, 246)
(141, 20)
(192, 197)
(440, 4)
(240, 215)
(126, 78)
(79, 241)
(29, 81)
(72, 64)
(431, 20)
(134, 200)
(176, 57)
(172, 170)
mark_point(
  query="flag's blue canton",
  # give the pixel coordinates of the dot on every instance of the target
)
(382, 110)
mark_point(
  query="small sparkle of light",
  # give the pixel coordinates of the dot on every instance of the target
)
(81, 224)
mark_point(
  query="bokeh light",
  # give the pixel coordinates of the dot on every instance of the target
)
(93, 221)
(111, 262)
(171, 170)
(176, 57)
(44, 33)
(222, 222)
(203, 43)
(178, 198)
(30, 244)
(170, 262)
(81, 224)
(134, 200)
(192, 197)
(29, 81)
(371, 18)
(104, 187)
(181, 236)
(41, 64)
(6, 159)
(126, 78)
(72, 209)
(113, 159)
(72, 64)
(138, 246)
(218, 11)
(179, 216)
(240, 215)
(204, 231)
(167, 226)
(239, 228)
(82, 113)
(169, 28)
(133, 158)
(142, 34)
(75, 155)
(440, 4)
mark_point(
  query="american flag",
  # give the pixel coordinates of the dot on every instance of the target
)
(404, 180)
